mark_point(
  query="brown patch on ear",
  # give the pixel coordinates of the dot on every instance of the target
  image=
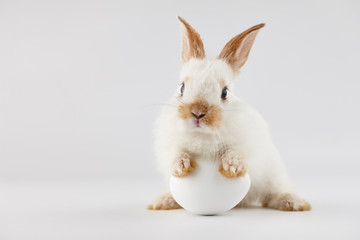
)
(192, 45)
(212, 116)
(237, 50)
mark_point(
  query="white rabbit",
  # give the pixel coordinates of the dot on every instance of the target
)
(204, 118)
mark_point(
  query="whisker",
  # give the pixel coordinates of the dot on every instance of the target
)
(160, 104)
(231, 110)
(177, 99)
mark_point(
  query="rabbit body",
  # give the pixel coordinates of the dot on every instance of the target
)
(205, 119)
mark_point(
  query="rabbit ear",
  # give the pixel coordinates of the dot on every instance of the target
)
(192, 45)
(237, 50)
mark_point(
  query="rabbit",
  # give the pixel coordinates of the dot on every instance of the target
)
(204, 118)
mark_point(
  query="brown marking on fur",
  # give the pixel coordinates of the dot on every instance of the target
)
(192, 45)
(186, 171)
(237, 50)
(306, 207)
(164, 202)
(222, 83)
(230, 174)
(186, 80)
(184, 111)
(266, 200)
(164, 207)
(285, 202)
(212, 116)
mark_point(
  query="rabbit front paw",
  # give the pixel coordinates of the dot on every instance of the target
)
(232, 166)
(183, 166)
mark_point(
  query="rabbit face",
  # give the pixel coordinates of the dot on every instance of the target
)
(204, 92)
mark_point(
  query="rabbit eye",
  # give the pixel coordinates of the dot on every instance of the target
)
(224, 93)
(182, 89)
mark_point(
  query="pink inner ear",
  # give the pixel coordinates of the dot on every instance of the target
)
(242, 53)
(237, 50)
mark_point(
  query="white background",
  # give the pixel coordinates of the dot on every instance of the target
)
(81, 83)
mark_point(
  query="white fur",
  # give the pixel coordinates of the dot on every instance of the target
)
(243, 131)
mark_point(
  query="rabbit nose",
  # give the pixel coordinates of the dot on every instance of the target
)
(198, 116)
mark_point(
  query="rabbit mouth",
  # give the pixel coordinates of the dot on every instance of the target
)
(197, 123)
(201, 114)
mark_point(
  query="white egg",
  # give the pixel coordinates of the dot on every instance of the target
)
(206, 192)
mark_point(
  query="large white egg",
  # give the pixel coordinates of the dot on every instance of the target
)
(206, 192)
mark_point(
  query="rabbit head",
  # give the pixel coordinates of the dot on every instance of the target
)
(206, 84)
